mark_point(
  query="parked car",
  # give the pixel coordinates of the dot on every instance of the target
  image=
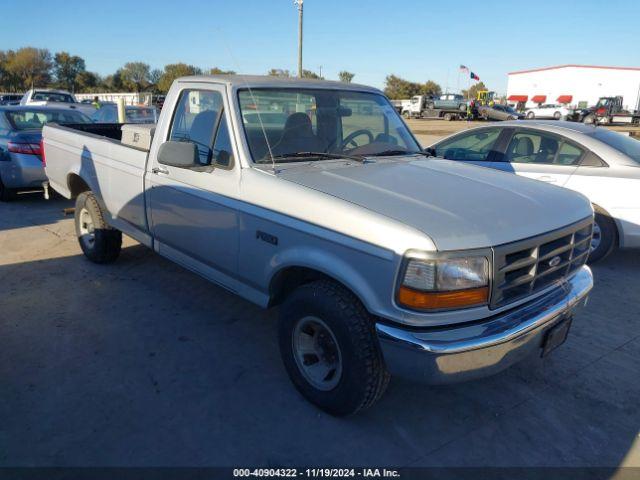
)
(382, 260)
(20, 156)
(55, 98)
(10, 98)
(108, 113)
(548, 111)
(601, 164)
(498, 112)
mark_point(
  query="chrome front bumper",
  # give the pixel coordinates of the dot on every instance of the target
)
(455, 354)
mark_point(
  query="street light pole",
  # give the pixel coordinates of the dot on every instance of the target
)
(298, 3)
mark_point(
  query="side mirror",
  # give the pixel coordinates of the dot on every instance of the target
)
(431, 151)
(179, 154)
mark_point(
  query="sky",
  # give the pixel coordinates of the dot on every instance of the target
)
(418, 40)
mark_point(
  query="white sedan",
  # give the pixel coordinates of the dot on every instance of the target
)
(601, 164)
(548, 111)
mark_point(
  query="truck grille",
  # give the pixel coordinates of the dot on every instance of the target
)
(525, 267)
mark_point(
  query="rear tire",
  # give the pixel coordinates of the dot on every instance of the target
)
(557, 116)
(448, 117)
(6, 194)
(605, 236)
(99, 242)
(531, 115)
(330, 349)
(589, 119)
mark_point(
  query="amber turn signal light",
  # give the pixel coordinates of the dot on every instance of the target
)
(418, 300)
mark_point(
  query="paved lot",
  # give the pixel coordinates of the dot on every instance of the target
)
(144, 363)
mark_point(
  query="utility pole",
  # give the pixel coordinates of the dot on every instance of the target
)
(298, 4)
(320, 71)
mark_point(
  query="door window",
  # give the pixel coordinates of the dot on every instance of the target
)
(196, 120)
(539, 148)
(476, 145)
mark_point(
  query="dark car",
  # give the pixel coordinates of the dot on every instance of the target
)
(108, 113)
(20, 154)
(10, 98)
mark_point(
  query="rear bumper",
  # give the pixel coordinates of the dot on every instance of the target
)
(22, 171)
(455, 354)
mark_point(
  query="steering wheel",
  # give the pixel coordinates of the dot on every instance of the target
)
(351, 138)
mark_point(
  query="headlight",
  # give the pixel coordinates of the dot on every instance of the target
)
(443, 284)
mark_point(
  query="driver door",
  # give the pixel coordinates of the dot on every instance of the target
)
(193, 216)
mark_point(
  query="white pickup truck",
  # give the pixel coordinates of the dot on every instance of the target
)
(314, 196)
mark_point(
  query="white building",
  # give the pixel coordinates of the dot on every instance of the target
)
(575, 85)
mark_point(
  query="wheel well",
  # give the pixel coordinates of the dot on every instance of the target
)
(76, 185)
(290, 278)
(599, 209)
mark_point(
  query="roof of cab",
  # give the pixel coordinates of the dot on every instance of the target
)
(266, 81)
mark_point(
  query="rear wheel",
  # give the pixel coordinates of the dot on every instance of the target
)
(330, 349)
(605, 236)
(99, 242)
(589, 119)
(5, 193)
(448, 117)
(531, 115)
(406, 114)
(557, 115)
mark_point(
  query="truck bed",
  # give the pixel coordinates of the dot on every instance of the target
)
(112, 170)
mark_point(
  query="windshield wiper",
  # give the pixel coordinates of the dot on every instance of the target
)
(306, 156)
(391, 153)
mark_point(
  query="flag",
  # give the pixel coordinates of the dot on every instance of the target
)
(463, 68)
(474, 77)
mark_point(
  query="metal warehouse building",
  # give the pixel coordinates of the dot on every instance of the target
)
(575, 85)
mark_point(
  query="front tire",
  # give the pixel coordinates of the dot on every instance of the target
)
(99, 242)
(605, 236)
(330, 349)
(531, 115)
(557, 116)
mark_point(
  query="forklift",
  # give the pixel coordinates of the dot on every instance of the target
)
(609, 110)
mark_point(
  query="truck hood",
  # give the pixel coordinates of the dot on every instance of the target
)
(458, 206)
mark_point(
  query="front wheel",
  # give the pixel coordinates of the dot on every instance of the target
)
(99, 242)
(330, 349)
(557, 116)
(531, 115)
(605, 236)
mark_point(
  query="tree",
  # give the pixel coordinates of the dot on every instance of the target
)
(66, 68)
(114, 83)
(30, 66)
(173, 71)
(154, 76)
(431, 88)
(135, 75)
(87, 82)
(311, 74)
(345, 76)
(219, 71)
(398, 88)
(278, 72)
(473, 90)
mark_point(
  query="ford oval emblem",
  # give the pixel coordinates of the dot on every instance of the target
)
(555, 261)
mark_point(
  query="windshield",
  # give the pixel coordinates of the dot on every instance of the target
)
(30, 119)
(52, 97)
(623, 143)
(330, 122)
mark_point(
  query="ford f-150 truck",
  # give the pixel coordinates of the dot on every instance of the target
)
(381, 259)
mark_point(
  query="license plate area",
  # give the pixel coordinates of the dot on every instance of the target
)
(556, 335)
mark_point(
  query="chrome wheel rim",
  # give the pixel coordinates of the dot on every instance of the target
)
(86, 227)
(596, 238)
(317, 353)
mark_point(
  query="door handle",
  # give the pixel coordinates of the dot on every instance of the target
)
(547, 178)
(160, 171)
